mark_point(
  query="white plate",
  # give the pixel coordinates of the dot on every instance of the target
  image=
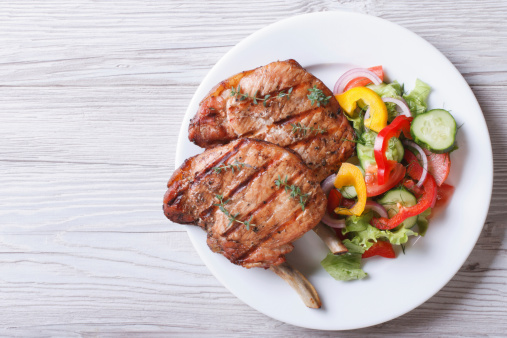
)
(327, 44)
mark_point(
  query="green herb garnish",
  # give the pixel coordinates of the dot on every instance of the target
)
(317, 95)
(295, 191)
(243, 96)
(298, 127)
(236, 165)
(232, 217)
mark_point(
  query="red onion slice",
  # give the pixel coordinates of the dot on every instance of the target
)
(423, 158)
(333, 222)
(405, 110)
(352, 74)
(379, 209)
(328, 184)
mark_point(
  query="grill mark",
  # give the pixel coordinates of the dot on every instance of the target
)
(258, 208)
(283, 122)
(261, 206)
(217, 162)
(297, 117)
(266, 238)
(242, 185)
(311, 137)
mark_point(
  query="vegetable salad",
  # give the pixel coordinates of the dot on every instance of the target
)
(388, 192)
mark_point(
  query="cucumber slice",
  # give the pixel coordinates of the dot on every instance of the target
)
(434, 130)
(395, 150)
(391, 199)
(348, 191)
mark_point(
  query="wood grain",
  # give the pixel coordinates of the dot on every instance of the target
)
(92, 95)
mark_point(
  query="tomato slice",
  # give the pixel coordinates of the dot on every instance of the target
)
(396, 174)
(444, 194)
(380, 248)
(439, 166)
(333, 201)
(362, 81)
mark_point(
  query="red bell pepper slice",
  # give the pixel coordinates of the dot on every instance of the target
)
(427, 200)
(399, 124)
(380, 248)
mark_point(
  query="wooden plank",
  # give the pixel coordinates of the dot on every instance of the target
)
(92, 96)
(133, 43)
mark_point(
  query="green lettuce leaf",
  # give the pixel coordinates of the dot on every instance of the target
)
(353, 248)
(361, 233)
(357, 122)
(358, 223)
(399, 236)
(347, 266)
(416, 99)
(393, 89)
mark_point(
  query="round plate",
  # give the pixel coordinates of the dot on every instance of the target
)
(327, 44)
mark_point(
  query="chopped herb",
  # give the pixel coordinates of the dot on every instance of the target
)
(232, 218)
(282, 94)
(295, 191)
(317, 95)
(243, 96)
(236, 165)
(298, 127)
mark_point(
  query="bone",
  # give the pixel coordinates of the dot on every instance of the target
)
(328, 236)
(299, 283)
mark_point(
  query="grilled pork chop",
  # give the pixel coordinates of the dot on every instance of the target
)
(238, 107)
(232, 192)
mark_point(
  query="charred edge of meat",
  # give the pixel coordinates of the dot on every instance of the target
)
(178, 183)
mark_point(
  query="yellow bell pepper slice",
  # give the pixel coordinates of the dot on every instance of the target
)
(378, 109)
(349, 174)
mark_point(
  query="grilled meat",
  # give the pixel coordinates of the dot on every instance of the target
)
(238, 107)
(273, 214)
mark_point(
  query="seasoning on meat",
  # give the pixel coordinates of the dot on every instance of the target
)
(248, 218)
(280, 103)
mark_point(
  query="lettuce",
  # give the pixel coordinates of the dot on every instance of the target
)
(364, 235)
(393, 89)
(399, 236)
(361, 237)
(347, 266)
(416, 99)
(357, 122)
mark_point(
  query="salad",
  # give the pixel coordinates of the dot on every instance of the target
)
(389, 191)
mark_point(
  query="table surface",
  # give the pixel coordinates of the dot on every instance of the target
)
(92, 95)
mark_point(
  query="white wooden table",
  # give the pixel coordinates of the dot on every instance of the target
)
(92, 95)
